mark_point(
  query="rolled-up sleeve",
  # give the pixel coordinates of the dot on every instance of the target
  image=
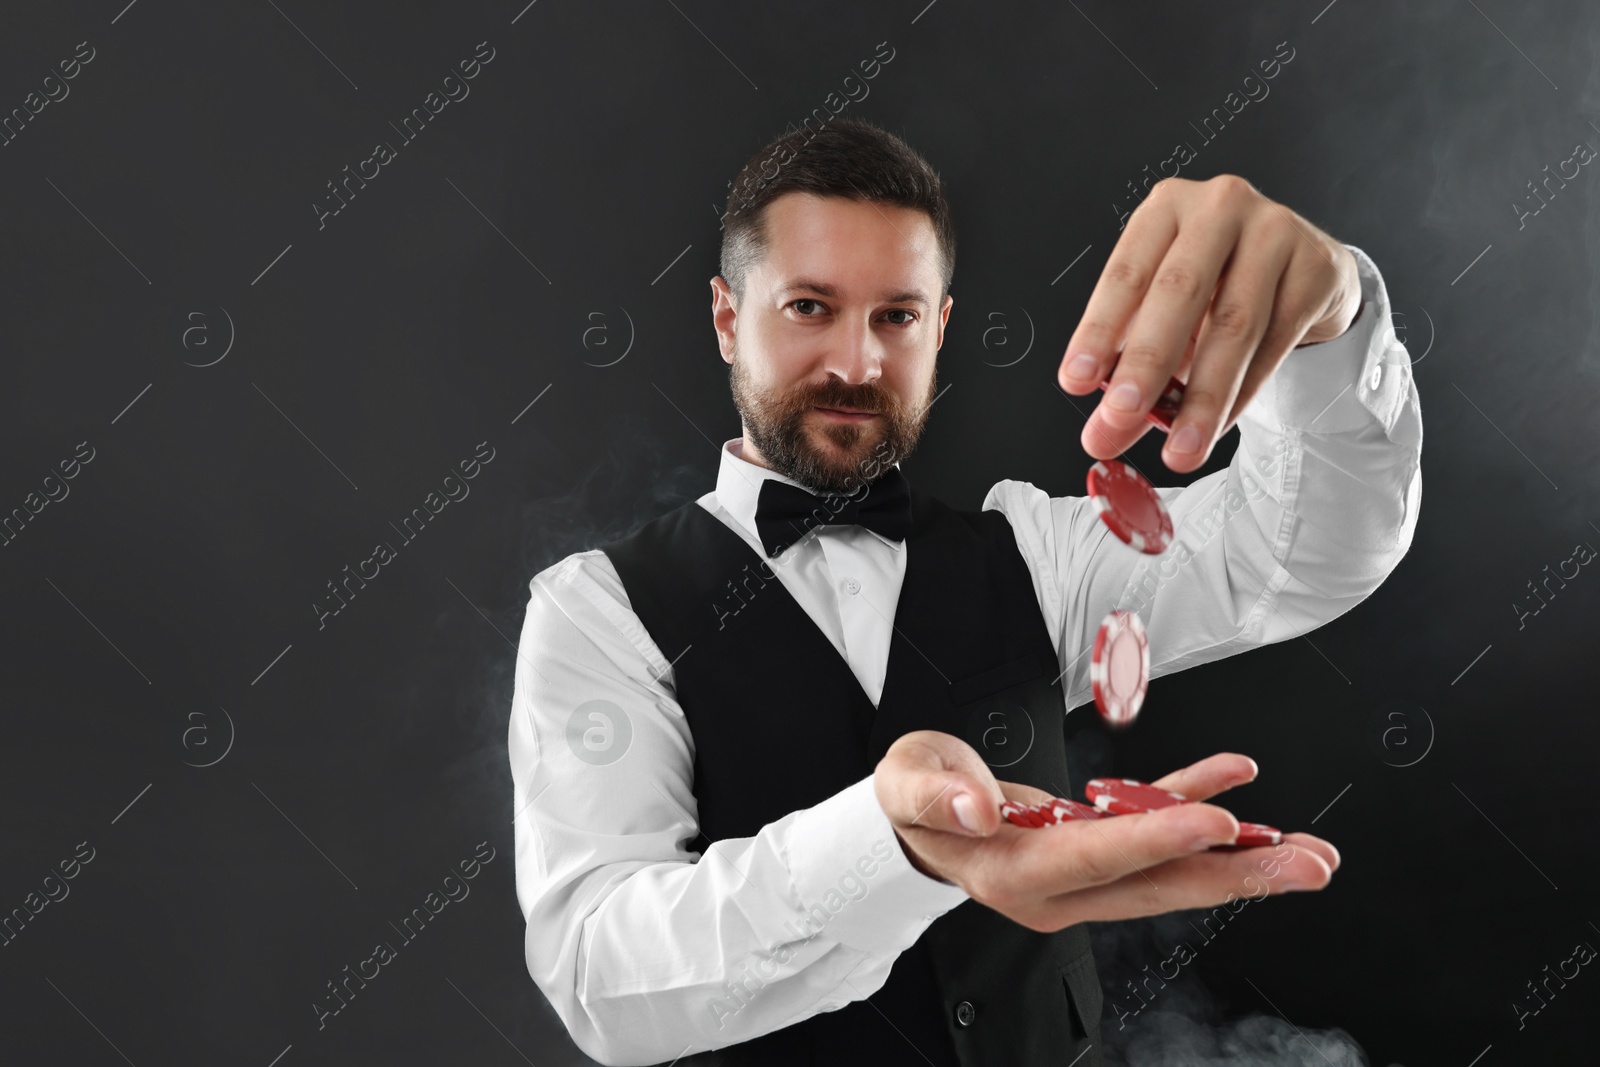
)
(1315, 509)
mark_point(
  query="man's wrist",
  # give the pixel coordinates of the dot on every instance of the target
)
(1360, 308)
(838, 850)
(916, 862)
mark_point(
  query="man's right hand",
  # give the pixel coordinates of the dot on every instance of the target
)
(1092, 870)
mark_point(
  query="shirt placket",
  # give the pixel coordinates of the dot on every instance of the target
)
(862, 620)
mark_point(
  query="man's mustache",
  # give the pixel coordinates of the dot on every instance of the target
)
(869, 402)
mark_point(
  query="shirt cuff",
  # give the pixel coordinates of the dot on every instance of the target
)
(1341, 384)
(849, 872)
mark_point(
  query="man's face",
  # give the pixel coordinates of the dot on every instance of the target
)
(838, 316)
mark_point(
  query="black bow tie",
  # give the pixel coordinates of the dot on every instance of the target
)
(784, 512)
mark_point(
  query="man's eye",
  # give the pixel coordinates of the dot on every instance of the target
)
(808, 308)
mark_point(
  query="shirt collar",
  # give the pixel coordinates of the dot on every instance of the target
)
(739, 490)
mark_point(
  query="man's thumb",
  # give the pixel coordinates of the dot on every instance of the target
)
(948, 801)
(965, 811)
(925, 780)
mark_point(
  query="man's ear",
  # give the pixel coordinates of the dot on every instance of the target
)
(944, 317)
(724, 316)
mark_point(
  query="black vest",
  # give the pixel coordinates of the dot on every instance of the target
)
(780, 723)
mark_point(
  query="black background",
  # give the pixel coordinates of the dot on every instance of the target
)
(163, 607)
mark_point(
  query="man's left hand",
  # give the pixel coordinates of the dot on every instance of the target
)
(1212, 278)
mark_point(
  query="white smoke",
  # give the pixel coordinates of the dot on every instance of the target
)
(1167, 1039)
(630, 481)
(1159, 1013)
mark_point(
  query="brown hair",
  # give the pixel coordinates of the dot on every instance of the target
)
(851, 158)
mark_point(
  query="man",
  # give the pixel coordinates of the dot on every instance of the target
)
(752, 812)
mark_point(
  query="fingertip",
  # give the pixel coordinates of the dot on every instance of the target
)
(1206, 824)
(1315, 873)
(1079, 373)
(1180, 463)
(1102, 440)
(1123, 406)
(1241, 765)
(1233, 825)
(1322, 848)
(1093, 440)
(1321, 877)
(1228, 825)
(1249, 769)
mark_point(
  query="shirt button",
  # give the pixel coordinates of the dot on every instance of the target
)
(965, 1013)
(852, 586)
(1376, 376)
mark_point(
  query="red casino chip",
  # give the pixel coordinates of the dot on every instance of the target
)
(1047, 813)
(1252, 835)
(1119, 667)
(1021, 814)
(1069, 810)
(1165, 409)
(1125, 796)
(1130, 506)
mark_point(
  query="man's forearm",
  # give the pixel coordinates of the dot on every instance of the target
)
(758, 934)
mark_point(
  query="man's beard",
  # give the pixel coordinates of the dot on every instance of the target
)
(855, 453)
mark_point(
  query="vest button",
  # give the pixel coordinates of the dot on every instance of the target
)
(965, 1013)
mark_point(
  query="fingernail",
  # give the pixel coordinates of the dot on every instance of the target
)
(966, 813)
(1082, 365)
(1187, 439)
(1124, 397)
(1205, 841)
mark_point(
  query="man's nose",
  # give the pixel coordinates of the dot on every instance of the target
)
(854, 354)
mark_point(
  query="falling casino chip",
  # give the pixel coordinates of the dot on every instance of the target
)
(1130, 506)
(1119, 667)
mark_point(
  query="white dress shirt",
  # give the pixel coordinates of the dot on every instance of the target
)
(651, 943)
